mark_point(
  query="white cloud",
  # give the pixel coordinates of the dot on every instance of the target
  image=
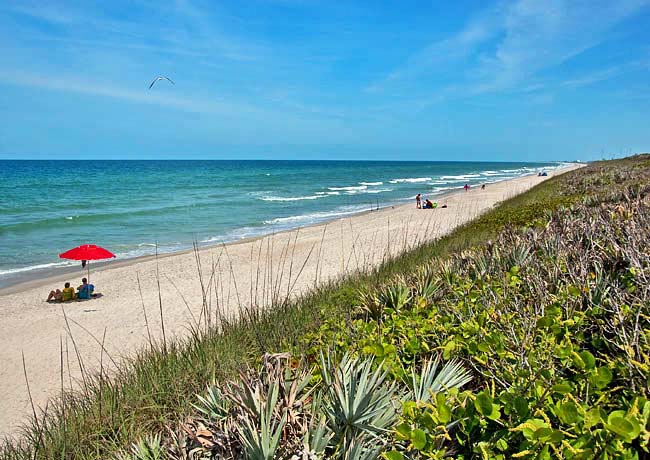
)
(511, 42)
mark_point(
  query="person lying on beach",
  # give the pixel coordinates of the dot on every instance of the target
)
(62, 296)
(85, 291)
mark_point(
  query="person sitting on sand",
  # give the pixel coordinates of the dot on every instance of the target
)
(483, 187)
(54, 295)
(428, 204)
(85, 291)
(418, 201)
(62, 296)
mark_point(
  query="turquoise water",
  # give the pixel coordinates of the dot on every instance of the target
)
(128, 207)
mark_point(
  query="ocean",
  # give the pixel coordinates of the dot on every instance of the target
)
(132, 207)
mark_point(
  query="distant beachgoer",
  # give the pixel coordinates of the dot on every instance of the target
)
(62, 296)
(466, 187)
(428, 204)
(483, 187)
(418, 201)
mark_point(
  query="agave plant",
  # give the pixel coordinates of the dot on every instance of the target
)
(395, 297)
(430, 380)
(214, 406)
(447, 272)
(482, 263)
(360, 451)
(427, 283)
(260, 436)
(281, 413)
(357, 400)
(369, 302)
(318, 436)
(518, 254)
(148, 448)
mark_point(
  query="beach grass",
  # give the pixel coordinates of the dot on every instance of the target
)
(158, 385)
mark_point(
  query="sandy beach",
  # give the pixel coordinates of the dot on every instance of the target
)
(234, 276)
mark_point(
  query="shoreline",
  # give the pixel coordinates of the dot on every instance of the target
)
(254, 272)
(40, 277)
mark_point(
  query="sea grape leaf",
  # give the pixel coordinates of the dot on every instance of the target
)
(562, 388)
(624, 426)
(394, 455)
(483, 404)
(418, 439)
(568, 413)
(601, 378)
(521, 406)
(588, 359)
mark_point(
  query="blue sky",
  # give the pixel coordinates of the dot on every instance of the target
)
(302, 79)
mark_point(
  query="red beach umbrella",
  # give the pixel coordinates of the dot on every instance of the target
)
(87, 252)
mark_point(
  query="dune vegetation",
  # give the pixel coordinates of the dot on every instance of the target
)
(522, 334)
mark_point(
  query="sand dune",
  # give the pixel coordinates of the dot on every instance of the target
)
(236, 275)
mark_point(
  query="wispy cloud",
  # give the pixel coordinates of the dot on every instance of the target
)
(504, 46)
(543, 34)
(459, 46)
(605, 74)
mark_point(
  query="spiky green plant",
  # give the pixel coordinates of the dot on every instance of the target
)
(518, 254)
(214, 406)
(427, 283)
(358, 401)
(317, 438)
(430, 380)
(260, 436)
(395, 296)
(148, 448)
(371, 305)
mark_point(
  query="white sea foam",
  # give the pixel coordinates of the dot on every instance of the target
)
(314, 217)
(437, 190)
(291, 198)
(379, 190)
(459, 177)
(234, 235)
(355, 187)
(371, 183)
(35, 267)
(410, 180)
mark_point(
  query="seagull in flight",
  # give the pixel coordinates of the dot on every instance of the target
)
(161, 78)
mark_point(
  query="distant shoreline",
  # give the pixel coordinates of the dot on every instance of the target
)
(45, 276)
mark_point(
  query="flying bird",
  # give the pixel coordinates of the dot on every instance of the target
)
(161, 78)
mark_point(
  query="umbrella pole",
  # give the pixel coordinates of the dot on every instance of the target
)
(88, 267)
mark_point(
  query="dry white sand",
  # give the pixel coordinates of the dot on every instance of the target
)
(246, 272)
